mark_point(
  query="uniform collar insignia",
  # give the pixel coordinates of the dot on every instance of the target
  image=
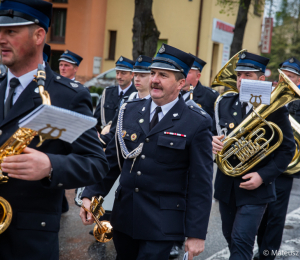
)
(74, 85)
(143, 109)
(175, 115)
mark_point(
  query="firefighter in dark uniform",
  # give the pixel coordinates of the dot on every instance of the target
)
(243, 200)
(112, 96)
(271, 228)
(165, 186)
(68, 64)
(38, 176)
(205, 97)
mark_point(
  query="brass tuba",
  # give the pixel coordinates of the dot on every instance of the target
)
(294, 165)
(247, 144)
(15, 145)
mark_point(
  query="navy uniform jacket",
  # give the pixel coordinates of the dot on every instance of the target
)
(205, 97)
(159, 199)
(74, 165)
(268, 169)
(111, 105)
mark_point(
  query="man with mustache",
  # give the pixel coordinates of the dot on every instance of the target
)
(165, 188)
(112, 96)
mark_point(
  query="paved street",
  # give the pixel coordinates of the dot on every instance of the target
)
(76, 243)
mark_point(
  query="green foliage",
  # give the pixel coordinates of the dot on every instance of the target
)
(286, 36)
(96, 90)
(229, 6)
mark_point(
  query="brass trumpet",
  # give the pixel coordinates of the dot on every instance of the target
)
(103, 230)
(247, 144)
(15, 145)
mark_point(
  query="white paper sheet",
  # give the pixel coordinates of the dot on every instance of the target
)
(75, 124)
(186, 256)
(256, 88)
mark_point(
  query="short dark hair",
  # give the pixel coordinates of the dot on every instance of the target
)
(178, 75)
(259, 74)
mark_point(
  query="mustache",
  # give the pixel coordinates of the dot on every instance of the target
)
(155, 85)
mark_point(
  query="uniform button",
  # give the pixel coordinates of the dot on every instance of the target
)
(147, 140)
(139, 173)
(270, 182)
(178, 205)
(59, 185)
(0, 132)
(58, 77)
(143, 156)
(171, 144)
(136, 189)
(43, 224)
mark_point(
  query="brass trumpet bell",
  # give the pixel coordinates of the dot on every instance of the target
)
(5, 214)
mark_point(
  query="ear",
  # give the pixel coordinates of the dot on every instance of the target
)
(131, 75)
(262, 78)
(181, 84)
(75, 69)
(39, 36)
(198, 75)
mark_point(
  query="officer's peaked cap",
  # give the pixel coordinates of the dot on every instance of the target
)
(25, 12)
(251, 62)
(71, 57)
(142, 64)
(292, 65)
(170, 58)
(124, 64)
(198, 63)
(46, 52)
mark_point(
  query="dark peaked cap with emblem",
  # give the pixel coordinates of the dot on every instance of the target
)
(198, 63)
(251, 62)
(170, 58)
(124, 64)
(25, 12)
(142, 64)
(71, 57)
(292, 65)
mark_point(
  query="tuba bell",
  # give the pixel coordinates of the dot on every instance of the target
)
(15, 145)
(247, 144)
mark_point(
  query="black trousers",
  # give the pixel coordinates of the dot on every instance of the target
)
(271, 228)
(133, 249)
(239, 226)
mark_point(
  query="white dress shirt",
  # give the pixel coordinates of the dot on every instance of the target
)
(124, 90)
(164, 109)
(248, 107)
(146, 97)
(25, 80)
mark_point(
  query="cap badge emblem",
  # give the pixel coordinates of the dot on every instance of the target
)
(66, 51)
(74, 85)
(292, 60)
(140, 59)
(234, 113)
(231, 125)
(243, 56)
(162, 49)
(121, 58)
(133, 137)
(141, 121)
(124, 133)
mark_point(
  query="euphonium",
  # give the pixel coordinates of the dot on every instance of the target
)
(247, 144)
(103, 231)
(15, 145)
(294, 165)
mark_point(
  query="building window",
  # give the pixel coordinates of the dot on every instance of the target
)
(58, 25)
(54, 63)
(60, 1)
(112, 45)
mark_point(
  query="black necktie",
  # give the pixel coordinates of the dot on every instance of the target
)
(121, 94)
(14, 82)
(244, 105)
(154, 120)
(183, 92)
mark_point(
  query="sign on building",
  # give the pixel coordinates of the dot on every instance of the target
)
(267, 36)
(222, 32)
(97, 65)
